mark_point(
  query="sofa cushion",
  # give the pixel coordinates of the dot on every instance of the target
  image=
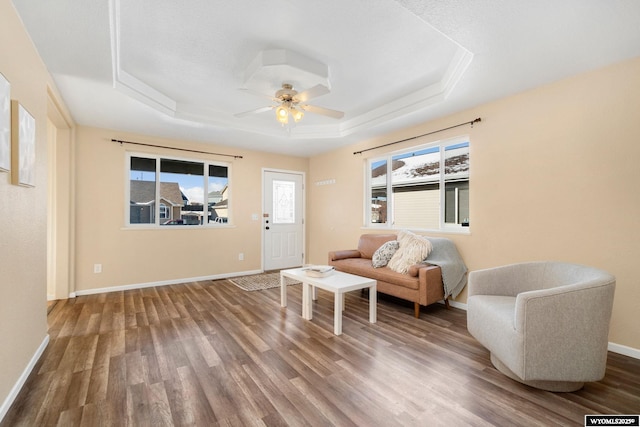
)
(491, 320)
(362, 267)
(369, 243)
(413, 249)
(384, 253)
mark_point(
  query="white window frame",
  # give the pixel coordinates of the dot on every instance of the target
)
(158, 158)
(388, 157)
(167, 211)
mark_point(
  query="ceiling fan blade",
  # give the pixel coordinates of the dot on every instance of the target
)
(256, 111)
(315, 91)
(323, 111)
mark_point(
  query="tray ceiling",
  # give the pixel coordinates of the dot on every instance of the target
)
(184, 69)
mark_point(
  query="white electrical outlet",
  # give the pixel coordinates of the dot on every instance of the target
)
(240, 256)
(97, 268)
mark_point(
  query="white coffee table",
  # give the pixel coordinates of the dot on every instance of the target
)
(338, 282)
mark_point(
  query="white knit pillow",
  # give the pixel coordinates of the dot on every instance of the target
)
(412, 250)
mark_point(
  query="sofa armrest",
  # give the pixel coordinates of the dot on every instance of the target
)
(430, 282)
(414, 270)
(344, 254)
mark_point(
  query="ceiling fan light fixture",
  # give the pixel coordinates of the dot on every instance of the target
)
(282, 114)
(297, 114)
(292, 105)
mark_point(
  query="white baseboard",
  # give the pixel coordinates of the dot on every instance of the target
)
(161, 283)
(624, 350)
(23, 378)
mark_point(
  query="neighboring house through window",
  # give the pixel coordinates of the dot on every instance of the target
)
(405, 187)
(166, 191)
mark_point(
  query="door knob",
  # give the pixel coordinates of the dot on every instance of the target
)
(266, 228)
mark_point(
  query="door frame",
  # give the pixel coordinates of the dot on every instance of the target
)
(61, 202)
(262, 210)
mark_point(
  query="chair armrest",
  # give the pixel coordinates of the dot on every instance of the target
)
(546, 308)
(507, 280)
(572, 321)
(344, 254)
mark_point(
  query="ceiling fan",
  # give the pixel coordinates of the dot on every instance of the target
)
(292, 104)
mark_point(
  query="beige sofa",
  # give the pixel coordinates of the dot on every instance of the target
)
(422, 285)
(546, 324)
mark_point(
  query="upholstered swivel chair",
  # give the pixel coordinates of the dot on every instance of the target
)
(546, 324)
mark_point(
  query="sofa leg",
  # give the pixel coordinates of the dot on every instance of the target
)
(446, 303)
(416, 310)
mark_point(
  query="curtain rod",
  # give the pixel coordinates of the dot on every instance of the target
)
(174, 148)
(420, 136)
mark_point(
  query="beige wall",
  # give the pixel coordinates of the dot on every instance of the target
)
(554, 176)
(130, 256)
(23, 210)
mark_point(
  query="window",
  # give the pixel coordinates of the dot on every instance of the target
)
(405, 187)
(164, 211)
(167, 192)
(284, 211)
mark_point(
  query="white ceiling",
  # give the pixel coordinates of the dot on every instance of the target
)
(176, 69)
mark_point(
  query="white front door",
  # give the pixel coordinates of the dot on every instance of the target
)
(282, 220)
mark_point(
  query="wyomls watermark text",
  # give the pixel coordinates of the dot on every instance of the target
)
(612, 420)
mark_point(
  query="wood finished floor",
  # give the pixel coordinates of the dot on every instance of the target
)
(210, 354)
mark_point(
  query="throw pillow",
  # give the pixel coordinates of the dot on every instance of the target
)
(412, 249)
(384, 253)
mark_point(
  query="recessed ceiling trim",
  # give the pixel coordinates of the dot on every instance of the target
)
(402, 105)
(458, 66)
(414, 101)
(124, 81)
(132, 86)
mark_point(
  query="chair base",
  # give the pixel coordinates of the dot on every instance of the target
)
(554, 386)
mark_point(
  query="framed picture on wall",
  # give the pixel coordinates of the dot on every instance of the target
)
(23, 136)
(5, 124)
